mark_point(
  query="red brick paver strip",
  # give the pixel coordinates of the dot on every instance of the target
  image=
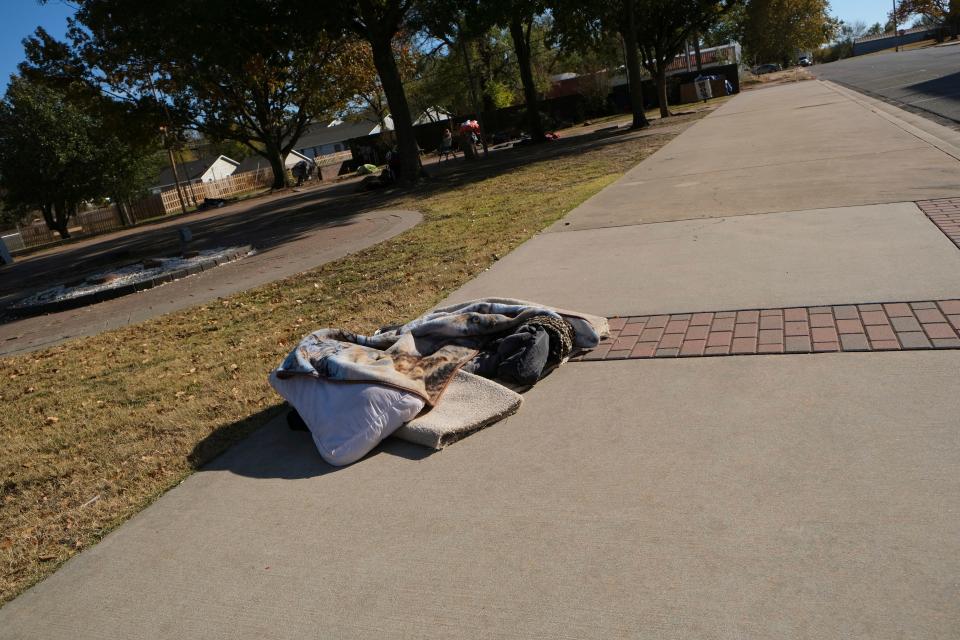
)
(945, 214)
(887, 326)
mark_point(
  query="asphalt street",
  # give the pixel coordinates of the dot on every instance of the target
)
(927, 80)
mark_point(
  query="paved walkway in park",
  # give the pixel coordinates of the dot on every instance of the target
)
(304, 249)
(292, 231)
(793, 495)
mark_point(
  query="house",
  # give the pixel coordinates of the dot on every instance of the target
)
(568, 84)
(203, 170)
(324, 139)
(433, 114)
(256, 163)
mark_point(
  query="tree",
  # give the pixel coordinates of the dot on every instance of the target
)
(449, 22)
(728, 28)
(125, 126)
(583, 26)
(663, 28)
(246, 70)
(370, 102)
(934, 10)
(842, 47)
(54, 155)
(378, 22)
(775, 30)
(520, 16)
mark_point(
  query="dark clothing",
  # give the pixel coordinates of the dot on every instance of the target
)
(519, 358)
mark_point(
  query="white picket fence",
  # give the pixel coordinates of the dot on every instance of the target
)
(195, 193)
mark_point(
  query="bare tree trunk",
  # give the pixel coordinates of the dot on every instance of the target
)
(473, 94)
(57, 216)
(389, 73)
(632, 54)
(124, 211)
(522, 48)
(696, 50)
(662, 90)
(275, 157)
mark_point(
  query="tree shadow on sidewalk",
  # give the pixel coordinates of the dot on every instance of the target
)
(274, 451)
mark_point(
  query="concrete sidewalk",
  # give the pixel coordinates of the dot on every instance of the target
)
(812, 496)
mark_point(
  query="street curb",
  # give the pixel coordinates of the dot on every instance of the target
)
(902, 119)
(123, 290)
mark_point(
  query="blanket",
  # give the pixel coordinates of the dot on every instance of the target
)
(424, 355)
(470, 403)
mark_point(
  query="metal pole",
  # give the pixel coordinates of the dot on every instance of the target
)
(896, 32)
(176, 174)
(163, 130)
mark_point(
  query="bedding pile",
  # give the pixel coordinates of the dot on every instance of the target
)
(352, 391)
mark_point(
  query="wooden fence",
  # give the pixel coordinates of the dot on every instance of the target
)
(146, 208)
(99, 220)
(37, 233)
(333, 158)
(108, 218)
(195, 193)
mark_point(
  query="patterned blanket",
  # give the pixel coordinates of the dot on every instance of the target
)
(423, 355)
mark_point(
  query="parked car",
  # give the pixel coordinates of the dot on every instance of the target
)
(761, 69)
(805, 61)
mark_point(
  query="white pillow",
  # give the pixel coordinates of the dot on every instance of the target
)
(347, 419)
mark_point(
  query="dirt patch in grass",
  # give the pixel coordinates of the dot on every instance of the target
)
(95, 429)
(794, 74)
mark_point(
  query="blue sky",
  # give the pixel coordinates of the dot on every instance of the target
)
(21, 17)
(869, 11)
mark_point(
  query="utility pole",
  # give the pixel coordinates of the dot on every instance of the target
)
(173, 167)
(896, 32)
(163, 130)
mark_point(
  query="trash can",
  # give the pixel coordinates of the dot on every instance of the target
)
(5, 257)
(704, 91)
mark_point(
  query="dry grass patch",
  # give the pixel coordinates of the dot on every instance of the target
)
(95, 429)
(793, 74)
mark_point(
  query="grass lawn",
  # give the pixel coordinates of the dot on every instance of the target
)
(95, 429)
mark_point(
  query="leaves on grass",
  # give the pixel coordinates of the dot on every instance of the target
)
(148, 403)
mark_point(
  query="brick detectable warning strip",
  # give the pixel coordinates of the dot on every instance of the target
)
(945, 213)
(855, 327)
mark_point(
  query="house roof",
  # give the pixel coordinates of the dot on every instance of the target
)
(189, 170)
(255, 162)
(319, 134)
(252, 163)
